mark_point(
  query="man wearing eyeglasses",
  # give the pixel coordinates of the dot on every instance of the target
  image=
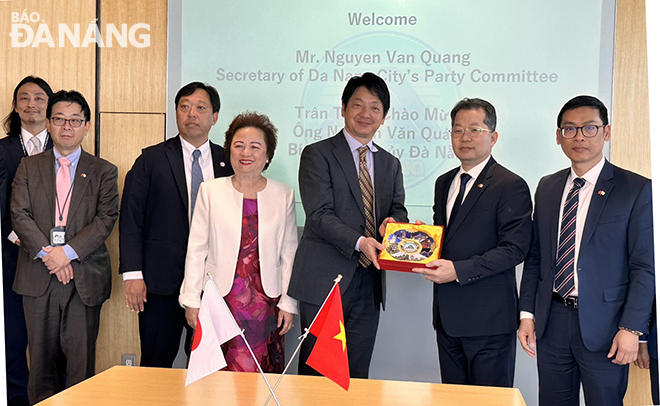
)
(64, 206)
(486, 212)
(588, 282)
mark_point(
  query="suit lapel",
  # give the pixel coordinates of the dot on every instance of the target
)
(605, 184)
(380, 179)
(218, 159)
(345, 159)
(174, 154)
(84, 173)
(444, 190)
(478, 187)
(14, 151)
(554, 196)
(47, 170)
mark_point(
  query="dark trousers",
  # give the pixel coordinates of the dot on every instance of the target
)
(361, 306)
(564, 362)
(485, 360)
(59, 323)
(161, 325)
(15, 347)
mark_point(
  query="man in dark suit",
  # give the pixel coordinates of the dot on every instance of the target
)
(26, 135)
(155, 219)
(340, 236)
(588, 285)
(486, 211)
(64, 206)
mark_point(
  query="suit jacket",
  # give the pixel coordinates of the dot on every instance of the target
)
(332, 200)
(215, 239)
(488, 238)
(615, 262)
(13, 153)
(92, 214)
(154, 224)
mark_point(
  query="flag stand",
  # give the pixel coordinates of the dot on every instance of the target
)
(301, 338)
(272, 393)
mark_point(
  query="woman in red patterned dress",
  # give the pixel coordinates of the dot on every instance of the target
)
(244, 233)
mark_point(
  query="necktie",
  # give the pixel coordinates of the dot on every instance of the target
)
(196, 180)
(465, 178)
(367, 199)
(564, 270)
(63, 184)
(35, 145)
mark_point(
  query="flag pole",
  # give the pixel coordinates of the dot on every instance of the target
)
(272, 393)
(302, 338)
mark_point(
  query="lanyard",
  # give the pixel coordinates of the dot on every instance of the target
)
(25, 153)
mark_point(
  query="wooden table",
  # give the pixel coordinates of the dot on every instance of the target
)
(138, 386)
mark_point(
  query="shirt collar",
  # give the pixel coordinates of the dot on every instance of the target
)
(73, 157)
(592, 174)
(26, 135)
(476, 170)
(188, 149)
(354, 144)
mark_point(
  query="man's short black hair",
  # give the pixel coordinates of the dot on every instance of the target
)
(476, 104)
(584, 101)
(70, 96)
(190, 88)
(374, 83)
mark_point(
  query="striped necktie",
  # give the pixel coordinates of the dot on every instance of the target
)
(565, 269)
(367, 190)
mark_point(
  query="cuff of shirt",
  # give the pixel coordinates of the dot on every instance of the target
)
(132, 275)
(70, 252)
(526, 315)
(357, 244)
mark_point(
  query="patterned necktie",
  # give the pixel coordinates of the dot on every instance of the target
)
(368, 201)
(564, 270)
(196, 180)
(35, 145)
(63, 185)
(465, 178)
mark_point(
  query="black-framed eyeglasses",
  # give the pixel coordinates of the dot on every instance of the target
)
(458, 132)
(73, 122)
(589, 131)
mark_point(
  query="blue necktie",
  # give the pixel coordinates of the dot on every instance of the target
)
(465, 178)
(564, 269)
(197, 179)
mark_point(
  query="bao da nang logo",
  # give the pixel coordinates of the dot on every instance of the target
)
(28, 29)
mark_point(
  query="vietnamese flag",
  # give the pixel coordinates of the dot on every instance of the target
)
(329, 355)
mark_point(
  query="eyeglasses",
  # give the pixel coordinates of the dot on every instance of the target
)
(473, 132)
(73, 122)
(588, 131)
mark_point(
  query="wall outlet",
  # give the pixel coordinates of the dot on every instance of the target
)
(128, 360)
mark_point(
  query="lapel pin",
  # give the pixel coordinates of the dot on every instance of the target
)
(84, 175)
(222, 164)
(481, 185)
(601, 192)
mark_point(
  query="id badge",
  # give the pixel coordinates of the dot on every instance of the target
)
(57, 236)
